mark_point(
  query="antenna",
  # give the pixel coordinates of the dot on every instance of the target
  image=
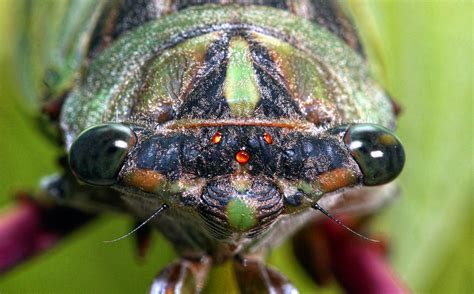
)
(326, 213)
(158, 211)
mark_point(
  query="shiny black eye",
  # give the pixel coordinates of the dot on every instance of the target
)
(98, 153)
(377, 151)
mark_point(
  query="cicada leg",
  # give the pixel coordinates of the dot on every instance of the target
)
(253, 276)
(31, 227)
(327, 251)
(184, 276)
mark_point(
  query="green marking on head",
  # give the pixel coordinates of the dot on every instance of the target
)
(168, 187)
(311, 189)
(305, 187)
(240, 216)
(240, 85)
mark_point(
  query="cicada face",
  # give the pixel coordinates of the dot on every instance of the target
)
(237, 119)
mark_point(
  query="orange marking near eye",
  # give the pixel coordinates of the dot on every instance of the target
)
(267, 138)
(336, 179)
(217, 138)
(146, 180)
(242, 157)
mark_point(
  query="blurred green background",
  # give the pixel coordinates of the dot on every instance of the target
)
(426, 49)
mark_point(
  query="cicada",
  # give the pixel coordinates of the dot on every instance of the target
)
(228, 126)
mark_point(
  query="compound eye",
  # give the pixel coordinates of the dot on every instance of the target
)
(377, 151)
(98, 153)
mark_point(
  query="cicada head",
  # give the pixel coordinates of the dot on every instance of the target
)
(233, 126)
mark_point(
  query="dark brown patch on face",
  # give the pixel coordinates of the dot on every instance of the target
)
(321, 112)
(396, 107)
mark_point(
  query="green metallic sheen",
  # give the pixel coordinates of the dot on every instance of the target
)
(240, 215)
(170, 76)
(115, 75)
(148, 91)
(168, 188)
(310, 189)
(240, 86)
(309, 81)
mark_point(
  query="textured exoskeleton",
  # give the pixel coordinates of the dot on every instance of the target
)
(229, 123)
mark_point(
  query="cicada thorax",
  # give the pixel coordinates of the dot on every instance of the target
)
(119, 17)
(95, 27)
(304, 59)
(239, 119)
